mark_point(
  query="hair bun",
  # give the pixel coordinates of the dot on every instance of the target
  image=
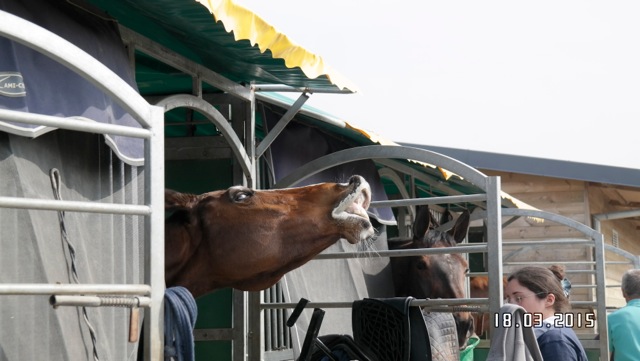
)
(558, 271)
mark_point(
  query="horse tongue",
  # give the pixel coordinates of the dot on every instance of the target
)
(357, 207)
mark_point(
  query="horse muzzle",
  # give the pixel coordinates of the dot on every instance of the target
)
(353, 207)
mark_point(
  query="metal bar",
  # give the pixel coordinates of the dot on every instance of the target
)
(286, 88)
(619, 262)
(248, 341)
(74, 206)
(590, 263)
(461, 248)
(617, 215)
(282, 123)
(315, 115)
(254, 341)
(584, 229)
(154, 237)
(417, 174)
(99, 301)
(416, 302)
(431, 200)
(81, 124)
(574, 286)
(573, 241)
(250, 139)
(31, 289)
(633, 259)
(381, 151)
(601, 295)
(494, 244)
(393, 176)
(581, 304)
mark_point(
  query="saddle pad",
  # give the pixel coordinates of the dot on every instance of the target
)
(443, 336)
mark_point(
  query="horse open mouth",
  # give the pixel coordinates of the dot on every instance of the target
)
(353, 208)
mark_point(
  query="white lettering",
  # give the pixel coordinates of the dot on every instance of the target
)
(12, 85)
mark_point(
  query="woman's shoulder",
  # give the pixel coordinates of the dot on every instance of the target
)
(563, 343)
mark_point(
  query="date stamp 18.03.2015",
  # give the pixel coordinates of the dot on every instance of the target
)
(561, 319)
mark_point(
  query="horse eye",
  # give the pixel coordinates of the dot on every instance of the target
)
(240, 197)
(422, 265)
(240, 194)
(466, 271)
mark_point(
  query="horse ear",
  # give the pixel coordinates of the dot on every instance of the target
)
(461, 227)
(424, 221)
(174, 201)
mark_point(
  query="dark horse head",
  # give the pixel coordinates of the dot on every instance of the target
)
(436, 275)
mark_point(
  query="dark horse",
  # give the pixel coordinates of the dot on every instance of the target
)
(436, 275)
(248, 239)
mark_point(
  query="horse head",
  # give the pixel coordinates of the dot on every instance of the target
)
(248, 239)
(435, 275)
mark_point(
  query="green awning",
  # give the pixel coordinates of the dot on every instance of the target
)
(223, 37)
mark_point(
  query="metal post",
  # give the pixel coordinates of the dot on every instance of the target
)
(494, 246)
(154, 237)
(601, 296)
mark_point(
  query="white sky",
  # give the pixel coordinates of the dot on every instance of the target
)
(549, 79)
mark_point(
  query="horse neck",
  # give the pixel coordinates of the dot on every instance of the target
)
(181, 243)
(194, 268)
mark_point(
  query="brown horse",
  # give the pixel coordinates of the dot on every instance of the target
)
(437, 275)
(248, 239)
(479, 288)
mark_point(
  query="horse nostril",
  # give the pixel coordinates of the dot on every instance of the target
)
(354, 180)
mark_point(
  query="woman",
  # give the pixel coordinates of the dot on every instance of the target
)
(540, 292)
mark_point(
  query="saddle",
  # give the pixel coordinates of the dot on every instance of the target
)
(386, 330)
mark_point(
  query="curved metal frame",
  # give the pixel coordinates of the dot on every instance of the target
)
(634, 260)
(472, 175)
(389, 174)
(213, 115)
